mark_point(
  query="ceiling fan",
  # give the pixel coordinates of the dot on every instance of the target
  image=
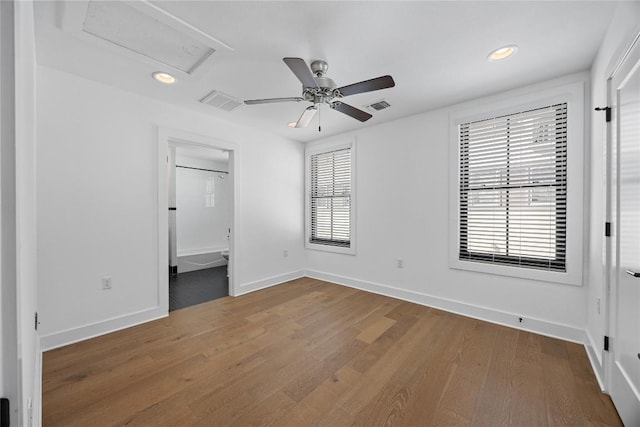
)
(319, 89)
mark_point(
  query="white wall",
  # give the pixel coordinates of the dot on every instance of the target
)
(96, 189)
(97, 204)
(622, 30)
(403, 212)
(201, 228)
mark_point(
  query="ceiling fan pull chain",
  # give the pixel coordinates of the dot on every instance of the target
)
(319, 127)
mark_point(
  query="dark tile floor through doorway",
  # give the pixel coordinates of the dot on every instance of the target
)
(196, 287)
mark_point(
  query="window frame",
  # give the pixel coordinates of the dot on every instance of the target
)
(319, 148)
(573, 95)
(506, 189)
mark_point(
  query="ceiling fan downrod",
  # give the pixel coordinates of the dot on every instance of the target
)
(319, 68)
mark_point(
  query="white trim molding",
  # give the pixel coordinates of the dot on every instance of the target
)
(537, 326)
(247, 288)
(92, 330)
(595, 359)
(323, 147)
(178, 137)
(573, 94)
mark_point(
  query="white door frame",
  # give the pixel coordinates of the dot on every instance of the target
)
(20, 355)
(612, 203)
(180, 137)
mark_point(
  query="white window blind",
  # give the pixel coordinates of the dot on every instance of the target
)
(331, 198)
(513, 189)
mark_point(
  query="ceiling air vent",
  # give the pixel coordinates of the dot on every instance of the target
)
(222, 100)
(380, 105)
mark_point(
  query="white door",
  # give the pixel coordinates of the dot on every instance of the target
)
(625, 310)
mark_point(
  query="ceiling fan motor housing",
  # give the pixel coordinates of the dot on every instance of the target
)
(326, 89)
(319, 68)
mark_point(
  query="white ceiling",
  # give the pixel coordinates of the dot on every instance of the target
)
(435, 51)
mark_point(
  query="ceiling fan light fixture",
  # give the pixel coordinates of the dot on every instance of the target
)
(503, 52)
(163, 77)
(307, 116)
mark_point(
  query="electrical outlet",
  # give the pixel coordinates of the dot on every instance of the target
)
(285, 253)
(106, 282)
(400, 263)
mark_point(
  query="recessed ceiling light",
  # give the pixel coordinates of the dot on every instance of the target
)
(503, 52)
(163, 77)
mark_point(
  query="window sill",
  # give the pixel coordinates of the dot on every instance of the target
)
(329, 248)
(565, 278)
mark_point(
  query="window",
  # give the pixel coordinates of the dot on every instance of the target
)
(513, 189)
(516, 184)
(329, 198)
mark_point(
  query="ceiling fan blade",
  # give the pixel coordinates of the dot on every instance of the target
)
(301, 70)
(354, 112)
(306, 117)
(367, 86)
(272, 100)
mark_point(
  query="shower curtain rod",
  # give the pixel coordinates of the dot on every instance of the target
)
(200, 169)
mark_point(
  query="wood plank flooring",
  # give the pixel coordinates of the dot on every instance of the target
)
(310, 353)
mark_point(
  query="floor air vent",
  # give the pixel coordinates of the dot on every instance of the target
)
(222, 100)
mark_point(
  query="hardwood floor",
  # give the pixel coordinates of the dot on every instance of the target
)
(312, 353)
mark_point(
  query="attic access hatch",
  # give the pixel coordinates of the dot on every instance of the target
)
(142, 31)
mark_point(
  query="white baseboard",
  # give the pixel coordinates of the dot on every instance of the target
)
(268, 282)
(85, 332)
(538, 326)
(595, 359)
(542, 327)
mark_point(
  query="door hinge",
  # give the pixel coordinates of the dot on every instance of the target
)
(36, 321)
(607, 229)
(607, 113)
(606, 343)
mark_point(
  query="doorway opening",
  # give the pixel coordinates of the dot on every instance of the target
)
(196, 217)
(199, 224)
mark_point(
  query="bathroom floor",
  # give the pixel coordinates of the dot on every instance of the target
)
(196, 287)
